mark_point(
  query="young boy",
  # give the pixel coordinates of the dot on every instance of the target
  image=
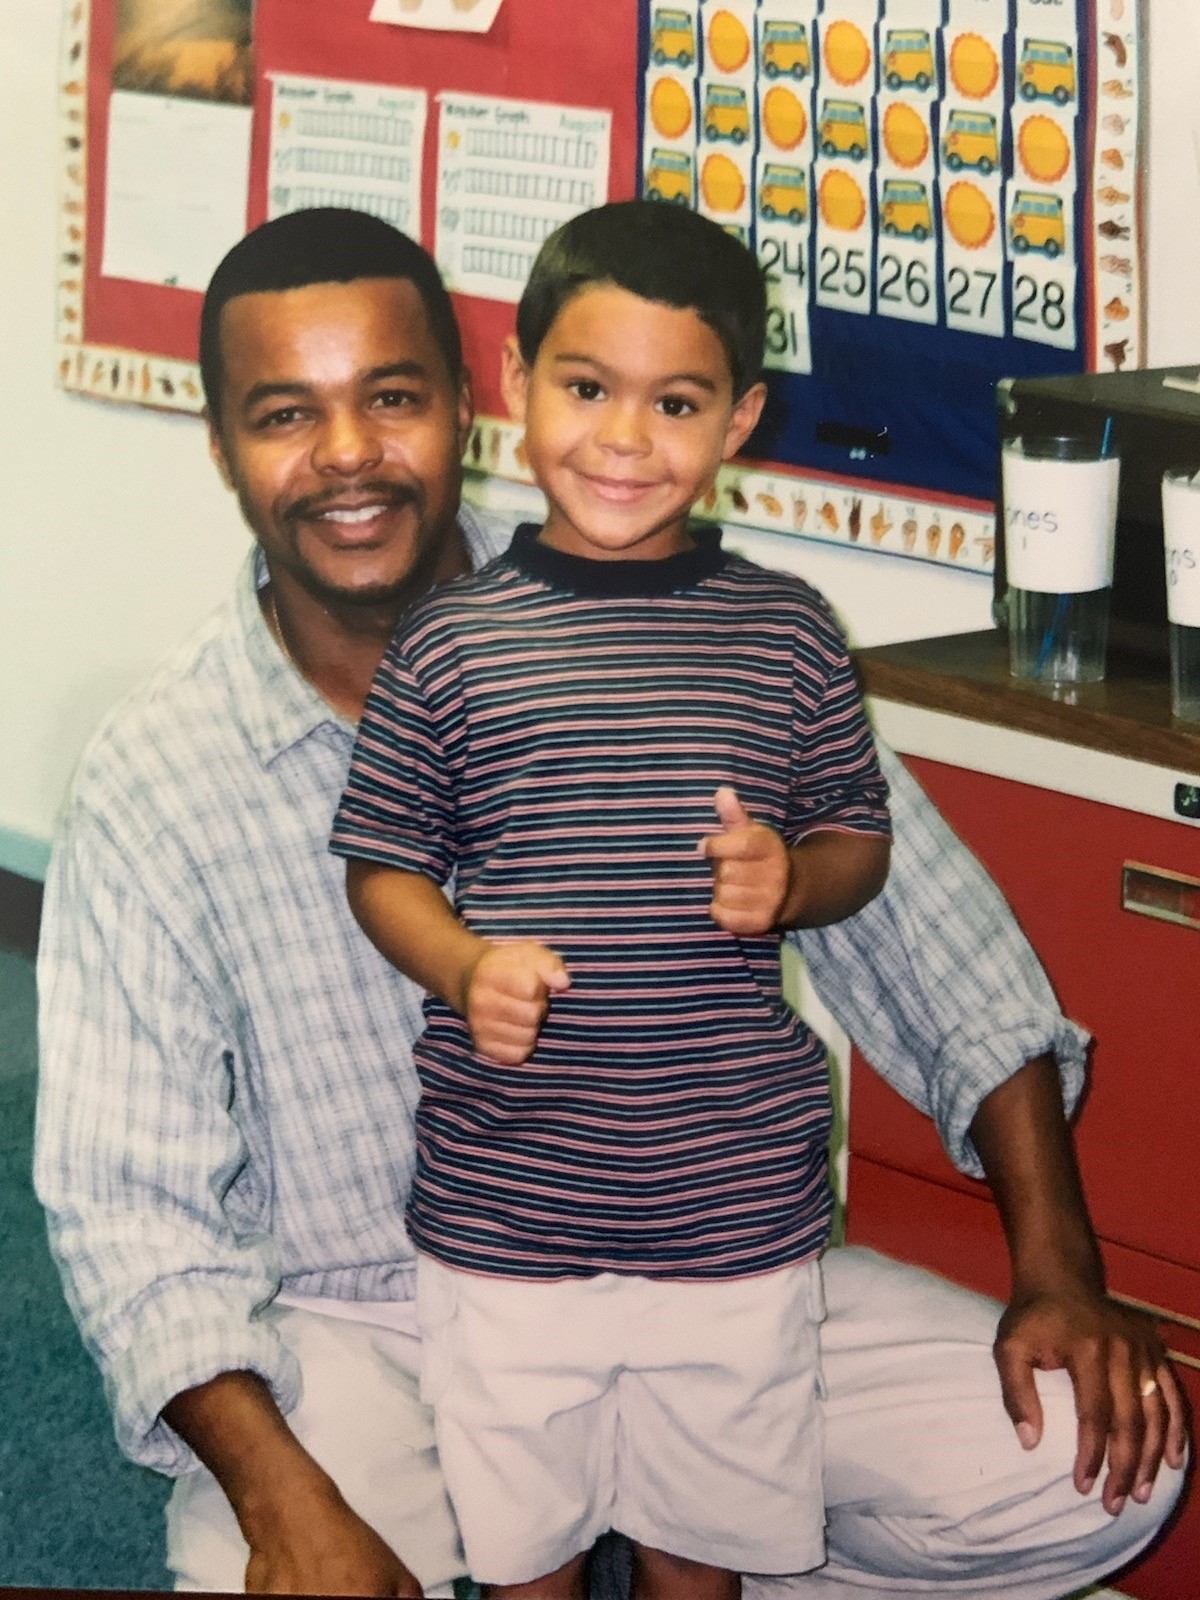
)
(621, 1191)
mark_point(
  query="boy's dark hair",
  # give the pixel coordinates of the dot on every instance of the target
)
(326, 244)
(660, 252)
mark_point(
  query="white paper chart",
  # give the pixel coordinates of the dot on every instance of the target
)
(509, 172)
(358, 145)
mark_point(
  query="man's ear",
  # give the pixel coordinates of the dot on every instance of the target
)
(466, 409)
(216, 450)
(743, 419)
(514, 378)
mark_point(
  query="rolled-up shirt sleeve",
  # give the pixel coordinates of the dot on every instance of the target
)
(836, 781)
(935, 982)
(138, 1150)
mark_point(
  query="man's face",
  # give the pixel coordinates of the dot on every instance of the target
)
(342, 433)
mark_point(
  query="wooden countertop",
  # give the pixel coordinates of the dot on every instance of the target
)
(966, 675)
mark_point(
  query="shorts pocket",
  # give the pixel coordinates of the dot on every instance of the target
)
(816, 1316)
(437, 1313)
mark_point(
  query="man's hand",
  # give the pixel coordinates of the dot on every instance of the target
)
(1128, 1402)
(1059, 1315)
(507, 997)
(315, 1544)
(751, 869)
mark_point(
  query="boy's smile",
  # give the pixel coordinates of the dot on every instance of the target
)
(628, 412)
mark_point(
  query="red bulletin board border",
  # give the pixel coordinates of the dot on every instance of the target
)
(137, 341)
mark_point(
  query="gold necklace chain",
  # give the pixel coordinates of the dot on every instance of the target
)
(276, 628)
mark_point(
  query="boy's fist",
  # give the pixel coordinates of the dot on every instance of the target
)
(751, 869)
(508, 995)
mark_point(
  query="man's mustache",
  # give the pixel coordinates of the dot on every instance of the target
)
(391, 493)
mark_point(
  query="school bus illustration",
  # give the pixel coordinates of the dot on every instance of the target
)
(783, 192)
(669, 176)
(672, 38)
(1036, 223)
(971, 139)
(843, 129)
(783, 48)
(908, 58)
(905, 209)
(1046, 71)
(726, 113)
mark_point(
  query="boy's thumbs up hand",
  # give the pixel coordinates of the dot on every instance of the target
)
(508, 996)
(751, 869)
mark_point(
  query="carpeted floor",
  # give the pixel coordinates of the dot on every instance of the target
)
(73, 1512)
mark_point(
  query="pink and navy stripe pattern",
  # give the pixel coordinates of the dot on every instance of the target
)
(552, 730)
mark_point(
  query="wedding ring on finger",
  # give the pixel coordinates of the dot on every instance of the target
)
(1149, 1386)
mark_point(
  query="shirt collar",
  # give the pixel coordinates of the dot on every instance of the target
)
(281, 707)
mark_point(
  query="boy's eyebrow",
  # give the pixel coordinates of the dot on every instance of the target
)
(291, 387)
(701, 380)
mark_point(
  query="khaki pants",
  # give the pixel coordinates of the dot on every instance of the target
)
(927, 1491)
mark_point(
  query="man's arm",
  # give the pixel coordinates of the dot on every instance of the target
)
(1059, 1314)
(303, 1537)
(942, 993)
(135, 1144)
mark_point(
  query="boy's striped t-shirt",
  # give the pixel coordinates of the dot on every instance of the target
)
(551, 732)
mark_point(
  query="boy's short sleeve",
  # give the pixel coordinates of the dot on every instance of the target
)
(399, 806)
(836, 782)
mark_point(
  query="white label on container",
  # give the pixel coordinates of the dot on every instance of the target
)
(1059, 522)
(1181, 538)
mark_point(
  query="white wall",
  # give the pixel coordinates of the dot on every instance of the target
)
(116, 537)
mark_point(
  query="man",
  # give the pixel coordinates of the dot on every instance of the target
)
(227, 1094)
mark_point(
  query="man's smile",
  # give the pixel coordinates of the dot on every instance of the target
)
(352, 514)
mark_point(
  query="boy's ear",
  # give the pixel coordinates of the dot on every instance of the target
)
(513, 378)
(744, 419)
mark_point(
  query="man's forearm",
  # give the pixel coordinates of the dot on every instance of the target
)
(831, 876)
(235, 1428)
(301, 1535)
(1028, 1157)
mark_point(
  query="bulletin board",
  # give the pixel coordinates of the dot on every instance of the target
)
(135, 340)
(881, 156)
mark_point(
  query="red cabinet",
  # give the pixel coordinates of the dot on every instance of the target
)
(1134, 982)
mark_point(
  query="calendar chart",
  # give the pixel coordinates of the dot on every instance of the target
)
(941, 193)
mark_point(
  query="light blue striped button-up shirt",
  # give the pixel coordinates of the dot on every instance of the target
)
(227, 1093)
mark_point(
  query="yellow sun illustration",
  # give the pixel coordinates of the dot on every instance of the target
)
(974, 66)
(847, 52)
(721, 184)
(905, 136)
(784, 119)
(843, 204)
(670, 108)
(728, 42)
(1043, 148)
(969, 214)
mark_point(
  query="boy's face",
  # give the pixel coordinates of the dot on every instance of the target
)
(628, 413)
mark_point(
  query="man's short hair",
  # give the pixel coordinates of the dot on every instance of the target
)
(660, 252)
(325, 244)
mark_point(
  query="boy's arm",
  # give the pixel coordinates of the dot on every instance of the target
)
(502, 990)
(409, 920)
(761, 884)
